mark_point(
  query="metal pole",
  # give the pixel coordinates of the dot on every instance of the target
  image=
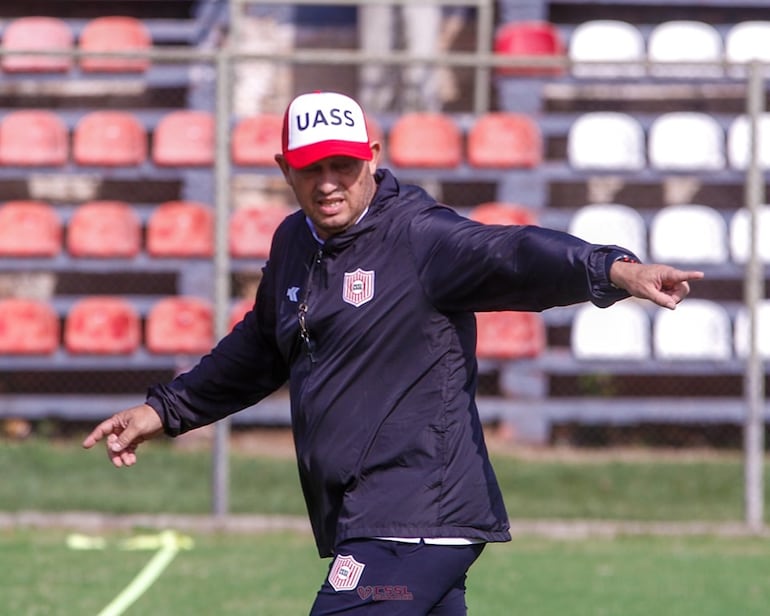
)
(484, 34)
(754, 378)
(220, 464)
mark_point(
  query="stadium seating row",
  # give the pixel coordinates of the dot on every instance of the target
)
(106, 326)
(608, 41)
(698, 329)
(683, 233)
(596, 140)
(675, 141)
(111, 325)
(186, 138)
(107, 34)
(112, 229)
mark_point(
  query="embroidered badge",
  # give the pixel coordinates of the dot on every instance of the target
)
(345, 573)
(358, 287)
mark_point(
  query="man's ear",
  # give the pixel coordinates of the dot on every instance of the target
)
(376, 148)
(281, 160)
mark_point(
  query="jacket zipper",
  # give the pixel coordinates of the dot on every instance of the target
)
(302, 309)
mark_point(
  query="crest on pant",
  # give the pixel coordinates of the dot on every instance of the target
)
(358, 287)
(345, 573)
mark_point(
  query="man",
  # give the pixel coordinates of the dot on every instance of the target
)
(366, 307)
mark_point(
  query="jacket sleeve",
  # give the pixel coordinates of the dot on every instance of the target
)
(466, 265)
(242, 369)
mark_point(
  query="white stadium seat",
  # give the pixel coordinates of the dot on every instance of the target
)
(686, 140)
(739, 142)
(747, 41)
(688, 233)
(740, 238)
(698, 329)
(611, 223)
(741, 336)
(682, 41)
(621, 331)
(607, 40)
(606, 140)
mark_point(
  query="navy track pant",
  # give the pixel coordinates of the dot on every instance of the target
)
(378, 577)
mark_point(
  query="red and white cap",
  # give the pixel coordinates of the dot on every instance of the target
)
(322, 124)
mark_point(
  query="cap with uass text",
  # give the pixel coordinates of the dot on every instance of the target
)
(322, 124)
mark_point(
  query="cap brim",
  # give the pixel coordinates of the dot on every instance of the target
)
(309, 154)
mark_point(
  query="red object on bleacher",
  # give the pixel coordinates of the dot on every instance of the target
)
(180, 325)
(252, 228)
(184, 139)
(109, 138)
(32, 33)
(114, 33)
(28, 327)
(29, 229)
(499, 213)
(34, 138)
(529, 38)
(501, 139)
(509, 335)
(104, 229)
(181, 229)
(239, 310)
(102, 326)
(424, 139)
(257, 139)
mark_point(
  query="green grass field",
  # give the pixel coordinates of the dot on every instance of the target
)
(279, 573)
(60, 476)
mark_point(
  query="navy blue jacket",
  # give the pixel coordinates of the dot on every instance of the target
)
(387, 434)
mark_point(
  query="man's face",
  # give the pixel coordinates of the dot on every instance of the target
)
(334, 191)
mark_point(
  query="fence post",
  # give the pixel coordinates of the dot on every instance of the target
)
(754, 380)
(220, 481)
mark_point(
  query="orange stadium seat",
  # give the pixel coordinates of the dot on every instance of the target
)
(33, 138)
(257, 139)
(183, 325)
(109, 138)
(28, 326)
(252, 228)
(181, 229)
(529, 38)
(424, 139)
(509, 335)
(185, 139)
(104, 229)
(501, 139)
(29, 229)
(102, 326)
(33, 33)
(499, 213)
(239, 310)
(113, 33)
